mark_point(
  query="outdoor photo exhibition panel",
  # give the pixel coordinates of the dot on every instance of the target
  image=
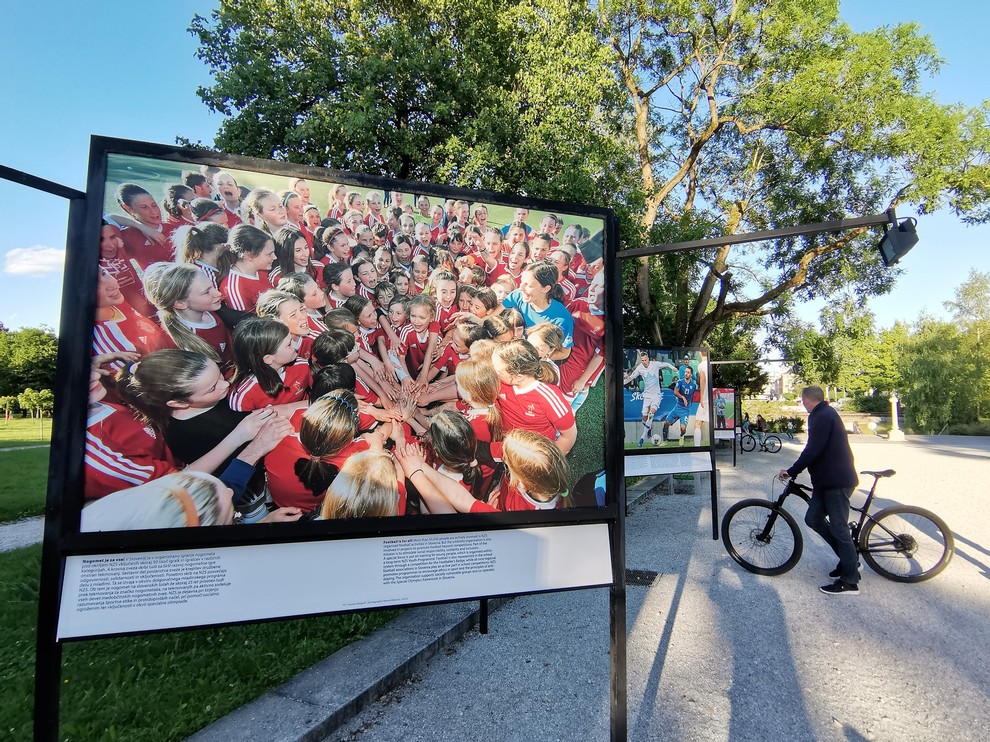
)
(724, 412)
(667, 413)
(115, 567)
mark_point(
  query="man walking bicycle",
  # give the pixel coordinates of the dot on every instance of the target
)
(829, 462)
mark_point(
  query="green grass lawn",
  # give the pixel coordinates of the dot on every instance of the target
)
(25, 432)
(159, 687)
(588, 453)
(23, 483)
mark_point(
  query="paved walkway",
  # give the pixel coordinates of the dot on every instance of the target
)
(716, 653)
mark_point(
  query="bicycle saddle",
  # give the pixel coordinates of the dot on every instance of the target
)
(884, 473)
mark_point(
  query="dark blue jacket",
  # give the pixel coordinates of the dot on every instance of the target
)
(827, 457)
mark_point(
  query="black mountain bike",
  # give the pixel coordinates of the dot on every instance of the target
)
(902, 543)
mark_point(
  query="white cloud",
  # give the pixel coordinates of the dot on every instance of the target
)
(37, 260)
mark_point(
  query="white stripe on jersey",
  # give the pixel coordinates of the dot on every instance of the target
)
(237, 397)
(115, 464)
(558, 405)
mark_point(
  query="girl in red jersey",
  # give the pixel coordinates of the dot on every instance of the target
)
(484, 303)
(338, 203)
(371, 340)
(419, 340)
(333, 246)
(465, 295)
(403, 254)
(202, 246)
(292, 255)
(266, 210)
(402, 282)
(585, 364)
(118, 328)
(187, 304)
(515, 261)
(266, 374)
(480, 217)
(177, 204)
(122, 450)
(303, 465)
(305, 289)
(375, 204)
(451, 441)
(420, 274)
(143, 236)
(366, 277)
(537, 478)
(287, 309)
(384, 262)
(125, 270)
(230, 197)
(340, 284)
(311, 213)
(244, 267)
(526, 400)
(478, 386)
(443, 288)
(548, 341)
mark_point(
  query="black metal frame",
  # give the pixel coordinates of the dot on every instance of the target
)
(64, 499)
(710, 448)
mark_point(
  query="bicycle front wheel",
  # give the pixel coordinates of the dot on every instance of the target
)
(772, 443)
(906, 544)
(761, 538)
(747, 443)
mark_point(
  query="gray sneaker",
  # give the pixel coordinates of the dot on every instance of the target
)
(840, 588)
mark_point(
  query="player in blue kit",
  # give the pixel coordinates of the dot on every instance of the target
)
(684, 390)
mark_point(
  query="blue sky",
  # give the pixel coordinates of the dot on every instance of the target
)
(79, 73)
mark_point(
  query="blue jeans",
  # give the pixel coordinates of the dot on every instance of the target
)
(828, 516)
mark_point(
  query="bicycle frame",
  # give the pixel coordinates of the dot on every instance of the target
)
(856, 527)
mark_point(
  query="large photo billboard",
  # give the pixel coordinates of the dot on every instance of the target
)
(282, 353)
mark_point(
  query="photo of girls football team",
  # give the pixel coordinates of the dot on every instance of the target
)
(272, 349)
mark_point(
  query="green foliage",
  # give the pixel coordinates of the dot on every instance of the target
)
(736, 341)
(27, 359)
(945, 366)
(155, 687)
(690, 118)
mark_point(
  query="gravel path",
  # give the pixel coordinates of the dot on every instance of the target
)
(716, 653)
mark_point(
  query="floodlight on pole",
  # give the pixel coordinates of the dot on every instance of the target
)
(898, 240)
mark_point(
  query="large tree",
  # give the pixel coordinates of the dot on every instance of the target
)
(690, 117)
(765, 114)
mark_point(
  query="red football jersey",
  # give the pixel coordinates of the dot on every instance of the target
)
(248, 395)
(144, 250)
(587, 345)
(215, 333)
(542, 409)
(126, 330)
(122, 451)
(241, 292)
(416, 346)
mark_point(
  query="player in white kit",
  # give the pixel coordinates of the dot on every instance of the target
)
(651, 374)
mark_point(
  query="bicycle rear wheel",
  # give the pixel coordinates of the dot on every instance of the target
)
(772, 443)
(906, 544)
(761, 538)
(747, 443)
